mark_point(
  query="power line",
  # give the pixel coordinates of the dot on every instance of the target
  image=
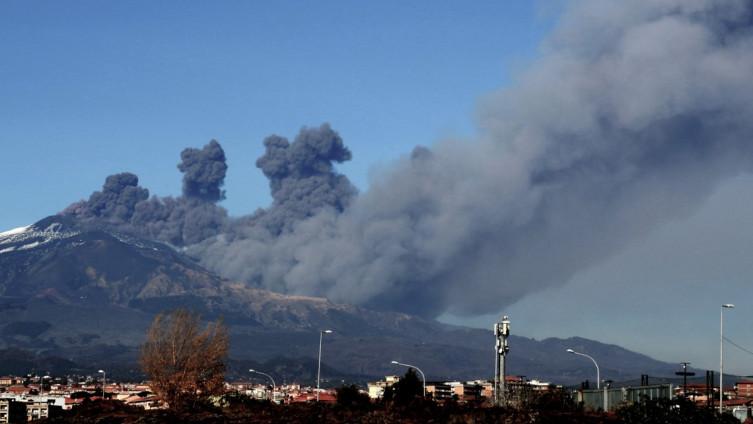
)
(749, 352)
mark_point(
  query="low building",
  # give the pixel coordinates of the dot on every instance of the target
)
(439, 390)
(376, 389)
(469, 391)
(37, 410)
(146, 402)
(12, 411)
(7, 380)
(744, 389)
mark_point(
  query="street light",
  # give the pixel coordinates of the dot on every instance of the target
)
(423, 377)
(274, 387)
(721, 353)
(598, 378)
(104, 381)
(319, 367)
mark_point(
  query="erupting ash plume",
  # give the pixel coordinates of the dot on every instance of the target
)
(302, 177)
(124, 205)
(203, 172)
(630, 117)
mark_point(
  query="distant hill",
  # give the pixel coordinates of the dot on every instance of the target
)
(84, 296)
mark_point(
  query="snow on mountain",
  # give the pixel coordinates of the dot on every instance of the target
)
(14, 231)
(32, 236)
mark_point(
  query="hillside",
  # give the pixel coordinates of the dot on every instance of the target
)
(86, 295)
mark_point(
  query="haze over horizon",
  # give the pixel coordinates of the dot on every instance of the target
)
(671, 211)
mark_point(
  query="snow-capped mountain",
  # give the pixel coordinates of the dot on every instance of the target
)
(88, 294)
(31, 236)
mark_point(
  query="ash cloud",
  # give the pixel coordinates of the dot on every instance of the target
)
(115, 203)
(631, 116)
(203, 172)
(633, 113)
(302, 178)
(123, 205)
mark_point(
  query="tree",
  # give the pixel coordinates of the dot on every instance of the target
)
(185, 362)
(408, 388)
(351, 397)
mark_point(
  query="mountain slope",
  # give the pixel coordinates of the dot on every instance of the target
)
(88, 295)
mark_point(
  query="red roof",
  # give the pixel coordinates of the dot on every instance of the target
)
(311, 397)
(737, 402)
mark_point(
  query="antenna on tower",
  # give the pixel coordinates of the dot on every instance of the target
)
(501, 333)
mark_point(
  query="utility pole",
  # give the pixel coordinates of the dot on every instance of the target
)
(685, 374)
(501, 333)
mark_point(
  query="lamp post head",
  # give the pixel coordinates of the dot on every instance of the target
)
(101, 371)
(395, 363)
(570, 351)
(728, 305)
(251, 370)
(326, 331)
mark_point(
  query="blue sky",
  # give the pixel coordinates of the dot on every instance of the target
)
(91, 88)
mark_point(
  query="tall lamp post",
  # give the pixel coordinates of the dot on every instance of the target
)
(319, 367)
(721, 353)
(423, 377)
(274, 387)
(104, 381)
(598, 377)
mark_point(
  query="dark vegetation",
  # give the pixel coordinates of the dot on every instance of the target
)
(241, 409)
(405, 406)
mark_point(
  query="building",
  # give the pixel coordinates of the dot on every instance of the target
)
(9, 380)
(376, 389)
(12, 411)
(469, 391)
(146, 402)
(439, 390)
(36, 410)
(744, 389)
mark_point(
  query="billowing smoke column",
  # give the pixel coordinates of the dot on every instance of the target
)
(203, 172)
(116, 202)
(124, 205)
(302, 177)
(631, 116)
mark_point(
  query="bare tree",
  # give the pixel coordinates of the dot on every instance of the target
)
(185, 362)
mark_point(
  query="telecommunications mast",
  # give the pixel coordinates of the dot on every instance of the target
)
(501, 333)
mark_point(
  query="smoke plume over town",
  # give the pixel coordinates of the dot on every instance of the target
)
(629, 118)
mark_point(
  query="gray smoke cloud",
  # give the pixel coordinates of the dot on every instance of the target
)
(115, 203)
(204, 172)
(123, 205)
(629, 118)
(302, 177)
(633, 113)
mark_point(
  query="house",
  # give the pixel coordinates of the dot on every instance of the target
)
(325, 396)
(8, 380)
(745, 389)
(71, 403)
(376, 389)
(146, 402)
(17, 390)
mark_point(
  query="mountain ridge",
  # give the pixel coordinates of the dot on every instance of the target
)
(87, 293)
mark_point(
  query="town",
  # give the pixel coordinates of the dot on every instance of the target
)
(34, 397)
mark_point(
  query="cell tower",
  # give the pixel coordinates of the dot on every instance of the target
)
(501, 333)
